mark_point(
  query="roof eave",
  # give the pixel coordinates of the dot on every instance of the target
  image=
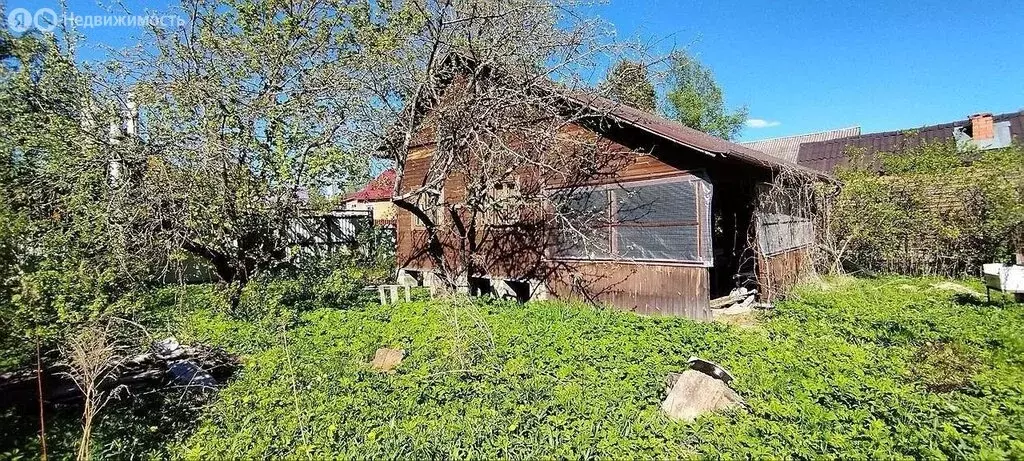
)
(738, 155)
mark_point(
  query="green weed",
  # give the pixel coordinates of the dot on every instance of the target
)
(865, 368)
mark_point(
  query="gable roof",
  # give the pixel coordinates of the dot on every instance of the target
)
(678, 133)
(662, 127)
(378, 189)
(827, 155)
(787, 147)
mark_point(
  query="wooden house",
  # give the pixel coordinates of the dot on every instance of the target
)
(705, 236)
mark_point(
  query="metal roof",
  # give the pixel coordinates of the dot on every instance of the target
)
(379, 189)
(681, 134)
(660, 126)
(787, 147)
(827, 155)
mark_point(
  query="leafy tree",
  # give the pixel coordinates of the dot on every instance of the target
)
(40, 96)
(57, 254)
(695, 99)
(248, 112)
(629, 83)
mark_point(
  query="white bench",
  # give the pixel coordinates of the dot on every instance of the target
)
(1004, 278)
(385, 290)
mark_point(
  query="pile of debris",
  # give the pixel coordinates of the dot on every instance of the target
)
(741, 296)
(167, 364)
(738, 301)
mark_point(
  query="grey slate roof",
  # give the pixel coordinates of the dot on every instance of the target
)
(787, 148)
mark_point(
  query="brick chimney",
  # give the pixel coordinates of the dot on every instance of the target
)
(981, 126)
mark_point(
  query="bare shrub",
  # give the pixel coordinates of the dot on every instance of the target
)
(466, 332)
(792, 214)
(92, 357)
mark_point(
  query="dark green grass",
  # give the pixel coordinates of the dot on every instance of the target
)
(852, 368)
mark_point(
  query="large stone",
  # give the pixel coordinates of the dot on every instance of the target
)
(695, 393)
(387, 359)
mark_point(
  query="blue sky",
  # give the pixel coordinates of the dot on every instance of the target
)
(802, 65)
(811, 65)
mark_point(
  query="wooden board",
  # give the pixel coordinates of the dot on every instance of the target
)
(777, 274)
(642, 288)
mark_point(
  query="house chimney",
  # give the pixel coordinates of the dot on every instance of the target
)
(981, 126)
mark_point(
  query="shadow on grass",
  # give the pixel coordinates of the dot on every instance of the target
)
(137, 426)
(998, 299)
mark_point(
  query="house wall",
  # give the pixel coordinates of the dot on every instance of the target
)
(649, 289)
(777, 274)
(646, 288)
(356, 205)
(383, 210)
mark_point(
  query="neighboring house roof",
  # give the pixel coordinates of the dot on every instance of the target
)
(680, 134)
(379, 189)
(827, 155)
(787, 147)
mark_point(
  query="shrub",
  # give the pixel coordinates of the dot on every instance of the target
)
(334, 283)
(56, 299)
(932, 209)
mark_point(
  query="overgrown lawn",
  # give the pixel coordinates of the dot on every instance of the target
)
(880, 368)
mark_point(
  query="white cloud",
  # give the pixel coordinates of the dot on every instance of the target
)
(761, 123)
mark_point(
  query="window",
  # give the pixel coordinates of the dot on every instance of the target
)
(662, 220)
(504, 200)
(658, 221)
(783, 221)
(778, 233)
(431, 205)
(584, 231)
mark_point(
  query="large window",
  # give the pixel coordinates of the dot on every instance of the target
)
(585, 226)
(660, 220)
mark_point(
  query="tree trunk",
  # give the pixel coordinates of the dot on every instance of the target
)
(222, 265)
(435, 249)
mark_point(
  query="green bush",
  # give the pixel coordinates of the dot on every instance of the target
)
(854, 368)
(931, 209)
(337, 282)
(56, 299)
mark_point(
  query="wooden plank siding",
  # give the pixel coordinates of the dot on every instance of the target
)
(649, 289)
(645, 288)
(777, 274)
(654, 287)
